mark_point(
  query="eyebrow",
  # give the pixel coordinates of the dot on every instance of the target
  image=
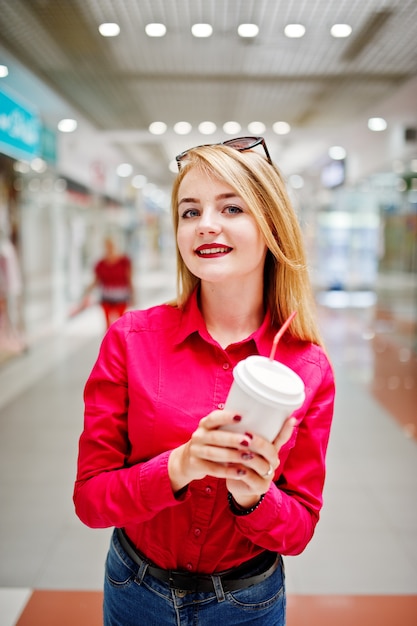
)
(221, 196)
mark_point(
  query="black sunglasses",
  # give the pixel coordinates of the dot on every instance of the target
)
(240, 143)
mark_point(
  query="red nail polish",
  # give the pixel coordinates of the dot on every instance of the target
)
(237, 418)
(247, 456)
(249, 435)
(241, 472)
(244, 443)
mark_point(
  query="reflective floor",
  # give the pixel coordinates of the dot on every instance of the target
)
(361, 566)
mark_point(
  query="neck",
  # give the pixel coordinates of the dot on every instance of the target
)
(231, 315)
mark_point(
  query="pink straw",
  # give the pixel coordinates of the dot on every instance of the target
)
(280, 333)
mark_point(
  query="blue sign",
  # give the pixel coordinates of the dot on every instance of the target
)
(20, 129)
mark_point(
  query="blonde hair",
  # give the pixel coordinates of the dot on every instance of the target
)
(287, 284)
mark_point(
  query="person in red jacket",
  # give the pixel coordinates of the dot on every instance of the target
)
(113, 277)
(202, 515)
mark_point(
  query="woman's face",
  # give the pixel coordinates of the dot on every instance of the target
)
(217, 236)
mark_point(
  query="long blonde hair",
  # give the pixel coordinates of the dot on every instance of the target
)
(287, 284)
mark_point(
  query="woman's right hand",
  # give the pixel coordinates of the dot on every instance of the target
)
(209, 451)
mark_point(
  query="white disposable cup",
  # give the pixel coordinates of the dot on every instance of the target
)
(264, 393)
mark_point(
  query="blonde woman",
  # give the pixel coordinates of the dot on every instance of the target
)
(203, 515)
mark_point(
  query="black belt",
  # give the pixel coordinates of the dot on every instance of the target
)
(231, 580)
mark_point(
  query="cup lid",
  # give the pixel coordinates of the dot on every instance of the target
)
(271, 380)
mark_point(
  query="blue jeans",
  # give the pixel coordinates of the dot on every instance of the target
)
(132, 597)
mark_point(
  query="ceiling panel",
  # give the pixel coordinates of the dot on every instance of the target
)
(125, 83)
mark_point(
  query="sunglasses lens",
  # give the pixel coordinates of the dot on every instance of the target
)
(242, 143)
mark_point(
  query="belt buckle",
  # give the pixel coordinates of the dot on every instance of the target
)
(182, 581)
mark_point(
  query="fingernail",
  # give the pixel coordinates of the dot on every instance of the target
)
(249, 435)
(241, 472)
(244, 443)
(247, 456)
(237, 418)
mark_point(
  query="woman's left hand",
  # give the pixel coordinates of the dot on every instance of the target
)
(259, 465)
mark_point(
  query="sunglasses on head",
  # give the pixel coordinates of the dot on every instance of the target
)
(240, 143)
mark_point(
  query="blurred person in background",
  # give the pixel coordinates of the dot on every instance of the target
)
(203, 515)
(113, 278)
(12, 339)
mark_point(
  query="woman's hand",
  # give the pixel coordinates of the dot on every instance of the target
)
(243, 460)
(260, 463)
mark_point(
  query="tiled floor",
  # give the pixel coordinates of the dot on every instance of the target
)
(360, 568)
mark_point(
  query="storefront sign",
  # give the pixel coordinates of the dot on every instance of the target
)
(20, 129)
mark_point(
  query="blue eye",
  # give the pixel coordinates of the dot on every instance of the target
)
(189, 213)
(234, 210)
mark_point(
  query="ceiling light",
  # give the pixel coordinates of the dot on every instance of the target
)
(139, 181)
(281, 128)
(232, 128)
(296, 181)
(21, 166)
(173, 166)
(124, 170)
(340, 30)
(202, 30)
(4, 71)
(109, 29)
(155, 30)
(67, 125)
(207, 128)
(337, 153)
(182, 128)
(157, 128)
(294, 31)
(38, 165)
(257, 128)
(377, 124)
(248, 30)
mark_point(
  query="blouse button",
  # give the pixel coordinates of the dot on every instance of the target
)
(208, 490)
(220, 405)
(226, 366)
(189, 566)
(197, 532)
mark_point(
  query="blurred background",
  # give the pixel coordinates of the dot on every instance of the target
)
(96, 99)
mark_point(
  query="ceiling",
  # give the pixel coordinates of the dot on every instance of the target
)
(317, 83)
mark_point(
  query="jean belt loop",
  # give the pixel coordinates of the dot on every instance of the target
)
(218, 588)
(141, 572)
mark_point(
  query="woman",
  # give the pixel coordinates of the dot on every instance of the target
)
(113, 275)
(203, 515)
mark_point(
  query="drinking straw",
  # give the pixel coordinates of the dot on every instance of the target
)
(280, 333)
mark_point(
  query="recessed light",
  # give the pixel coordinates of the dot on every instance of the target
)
(257, 128)
(294, 31)
(67, 125)
(202, 30)
(337, 153)
(340, 30)
(207, 128)
(139, 181)
(157, 128)
(124, 170)
(232, 128)
(4, 71)
(155, 30)
(296, 181)
(377, 124)
(182, 128)
(248, 30)
(109, 29)
(281, 128)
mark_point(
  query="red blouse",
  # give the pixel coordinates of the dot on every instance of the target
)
(157, 374)
(114, 279)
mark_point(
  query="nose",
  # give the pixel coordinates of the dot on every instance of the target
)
(208, 223)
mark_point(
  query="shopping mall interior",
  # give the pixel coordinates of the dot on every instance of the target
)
(96, 100)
